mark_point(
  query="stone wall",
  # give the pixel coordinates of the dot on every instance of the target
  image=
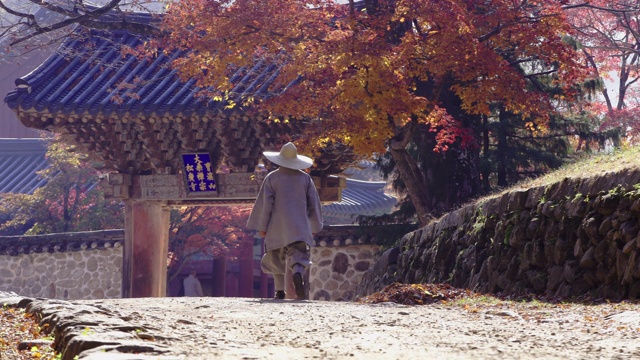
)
(86, 265)
(337, 270)
(341, 256)
(572, 238)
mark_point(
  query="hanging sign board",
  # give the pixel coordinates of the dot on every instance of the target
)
(200, 177)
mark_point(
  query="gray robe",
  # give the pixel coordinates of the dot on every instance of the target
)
(287, 208)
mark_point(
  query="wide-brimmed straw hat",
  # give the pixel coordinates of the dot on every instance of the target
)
(288, 157)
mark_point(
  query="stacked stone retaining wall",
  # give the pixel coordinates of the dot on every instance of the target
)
(572, 238)
(85, 265)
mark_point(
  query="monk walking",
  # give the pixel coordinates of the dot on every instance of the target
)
(287, 213)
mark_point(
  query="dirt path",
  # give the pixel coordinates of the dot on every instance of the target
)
(237, 328)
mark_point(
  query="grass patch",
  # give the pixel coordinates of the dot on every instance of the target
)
(597, 164)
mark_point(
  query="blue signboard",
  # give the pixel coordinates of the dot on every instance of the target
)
(200, 175)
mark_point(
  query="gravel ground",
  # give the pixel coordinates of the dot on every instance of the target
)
(244, 328)
(464, 326)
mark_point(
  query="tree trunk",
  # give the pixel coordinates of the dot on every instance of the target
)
(501, 153)
(411, 175)
(486, 170)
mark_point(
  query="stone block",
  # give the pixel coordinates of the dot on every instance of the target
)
(538, 257)
(576, 208)
(78, 273)
(586, 187)
(340, 263)
(324, 275)
(555, 277)
(362, 266)
(561, 251)
(113, 293)
(97, 294)
(503, 203)
(602, 273)
(537, 280)
(93, 284)
(92, 264)
(606, 204)
(331, 285)
(68, 283)
(627, 276)
(588, 260)
(630, 246)
(6, 273)
(566, 188)
(569, 271)
(533, 197)
(564, 290)
(63, 274)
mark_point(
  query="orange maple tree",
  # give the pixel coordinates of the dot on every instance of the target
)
(369, 72)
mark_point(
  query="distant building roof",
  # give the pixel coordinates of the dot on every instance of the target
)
(359, 198)
(364, 170)
(20, 159)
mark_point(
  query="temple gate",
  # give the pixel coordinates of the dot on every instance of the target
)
(148, 131)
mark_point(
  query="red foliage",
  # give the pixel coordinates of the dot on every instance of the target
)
(367, 70)
(608, 32)
(210, 231)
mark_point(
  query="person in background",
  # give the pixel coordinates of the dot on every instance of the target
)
(192, 286)
(287, 213)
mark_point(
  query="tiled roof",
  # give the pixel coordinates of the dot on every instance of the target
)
(73, 93)
(359, 198)
(330, 236)
(347, 235)
(80, 79)
(20, 159)
(63, 242)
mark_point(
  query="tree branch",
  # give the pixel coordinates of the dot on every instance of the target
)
(588, 5)
(89, 19)
(541, 73)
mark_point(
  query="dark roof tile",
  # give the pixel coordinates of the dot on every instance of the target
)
(360, 198)
(63, 242)
(20, 159)
(83, 76)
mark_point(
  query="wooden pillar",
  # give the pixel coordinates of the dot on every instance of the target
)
(245, 281)
(146, 242)
(264, 285)
(264, 278)
(219, 277)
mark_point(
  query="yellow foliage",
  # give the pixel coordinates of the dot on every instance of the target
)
(352, 73)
